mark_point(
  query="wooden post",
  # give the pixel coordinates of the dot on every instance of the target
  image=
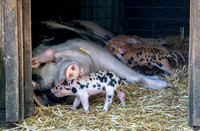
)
(2, 78)
(28, 109)
(194, 64)
(20, 59)
(10, 48)
(16, 90)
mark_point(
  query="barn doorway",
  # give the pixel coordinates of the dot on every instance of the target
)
(152, 19)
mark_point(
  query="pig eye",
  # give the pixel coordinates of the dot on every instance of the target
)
(56, 87)
(56, 60)
(112, 47)
(60, 88)
(67, 88)
(42, 65)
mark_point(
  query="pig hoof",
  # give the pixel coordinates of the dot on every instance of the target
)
(106, 110)
(73, 109)
(123, 104)
(169, 85)
(87, 111)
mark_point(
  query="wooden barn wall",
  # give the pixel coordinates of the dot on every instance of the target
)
(27, 41)
(10, 57)
(194, 64)
(2, 89)
(16, 91)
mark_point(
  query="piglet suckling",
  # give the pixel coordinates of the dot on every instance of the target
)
(94, 83)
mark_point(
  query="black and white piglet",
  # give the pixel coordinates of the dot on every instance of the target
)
(94, 83)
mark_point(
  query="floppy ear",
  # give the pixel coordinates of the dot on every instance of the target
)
(41, 99)
(42, 57)
(133, 40)
(35, 62)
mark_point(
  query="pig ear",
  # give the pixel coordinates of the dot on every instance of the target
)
(42, 57)
(133, 40)
(41, 99)
(121, 49)
(35, 62)
(72, 72)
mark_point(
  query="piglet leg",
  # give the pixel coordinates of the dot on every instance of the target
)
(76, 103)
(121, 96)
(85, 102)
(108, 101)
(166, 68)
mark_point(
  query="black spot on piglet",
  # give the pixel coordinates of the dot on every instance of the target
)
(65, 83)
(115, 92)
(109, 74)
(102, 79)
(82, 86)
(74, 90)
(109, 96)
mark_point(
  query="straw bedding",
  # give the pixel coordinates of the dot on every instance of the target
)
(146, 109)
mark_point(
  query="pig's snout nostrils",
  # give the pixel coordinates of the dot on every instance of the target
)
(53, 90)
(72, 72)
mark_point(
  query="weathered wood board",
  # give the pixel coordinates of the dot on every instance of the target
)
(194, 64)
(28, 91)
(16, 90)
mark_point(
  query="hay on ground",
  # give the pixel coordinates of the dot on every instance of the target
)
(162, 109)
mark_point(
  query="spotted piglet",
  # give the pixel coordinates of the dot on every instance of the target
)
(94, 83)
(150, 57)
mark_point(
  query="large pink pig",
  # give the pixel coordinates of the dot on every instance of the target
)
(68, 58)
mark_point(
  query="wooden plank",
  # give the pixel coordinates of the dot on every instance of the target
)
(194, 64)
(190, 68)
(2, 84)
(21, 61)
(10, 44)
(28, 109)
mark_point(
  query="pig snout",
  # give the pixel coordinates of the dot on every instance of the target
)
(56, 92)
(53, 90)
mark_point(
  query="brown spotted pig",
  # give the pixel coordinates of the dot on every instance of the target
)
(138, 40)
(142, 56)
(94, 83)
